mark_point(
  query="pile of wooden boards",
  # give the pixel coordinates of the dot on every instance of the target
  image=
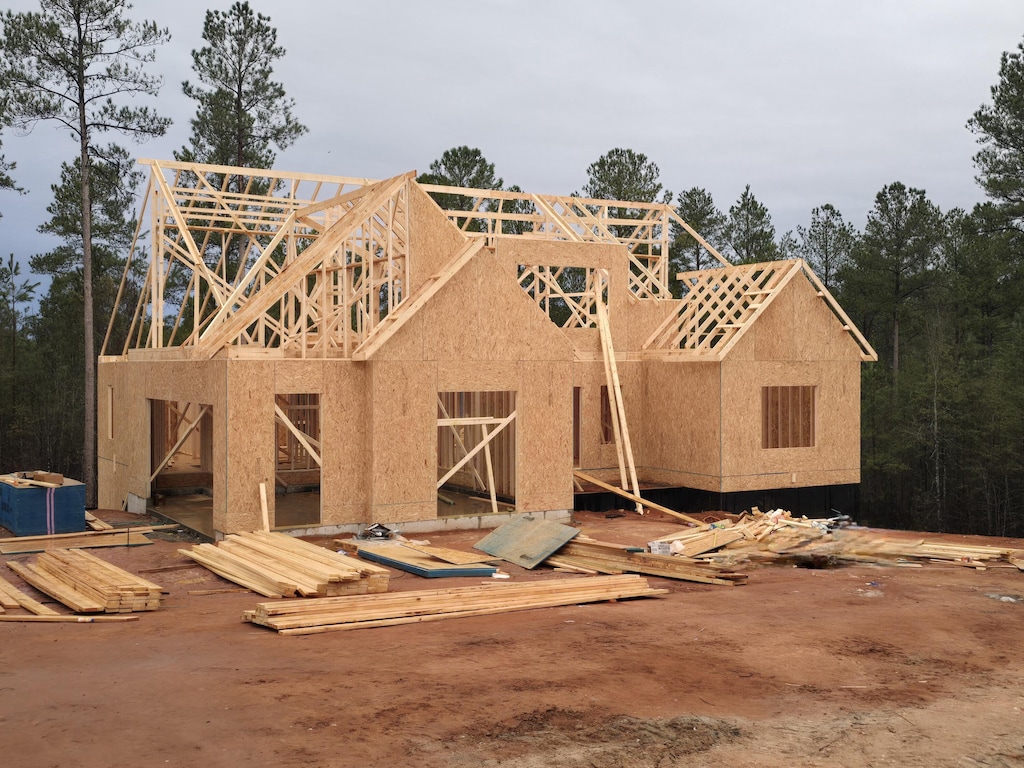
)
(334, 614)
(278, 565)
(87, 584)
(589, 556)
(779, 537)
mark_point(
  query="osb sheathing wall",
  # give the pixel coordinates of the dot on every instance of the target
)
(681, 439)
(125, 461)
(433, 240)
(796, 342)
(479, 332)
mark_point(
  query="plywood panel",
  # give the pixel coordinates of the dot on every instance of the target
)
(404, 439)
(299, 376)
(681, 425)
(544, 437)
(250, 444)
(433, 240)
(345, 486)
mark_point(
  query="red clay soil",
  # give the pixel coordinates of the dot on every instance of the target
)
(852, 666)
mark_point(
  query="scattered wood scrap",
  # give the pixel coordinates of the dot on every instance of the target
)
(603, 557)
(87, 584)
(779, 537)
(278, 565)
(96, 524)
(334, 614)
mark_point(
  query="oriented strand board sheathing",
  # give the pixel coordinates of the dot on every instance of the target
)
(433, 239)
(345, 412)
(250, 445)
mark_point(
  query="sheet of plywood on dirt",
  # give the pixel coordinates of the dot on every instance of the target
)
(433, 240)
(526, 540)
(394, 555)
(404, 441)
(250, 444)
(544, 437)
(681, 429)
(345, 487)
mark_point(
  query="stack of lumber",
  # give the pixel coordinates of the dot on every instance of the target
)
(587, 555)
(779, 537)
(87, 584)
(278, 565)
(12, 597)
(334, 614)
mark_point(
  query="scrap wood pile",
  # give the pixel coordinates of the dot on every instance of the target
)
(87, 584)
(278, 565)
(779, 537)
(357, 612)
(586, 555)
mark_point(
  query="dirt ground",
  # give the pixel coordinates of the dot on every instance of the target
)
(858, 665)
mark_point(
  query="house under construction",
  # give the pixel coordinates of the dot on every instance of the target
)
(331, 352)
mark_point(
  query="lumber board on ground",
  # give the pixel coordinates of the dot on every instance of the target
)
(334, 614)
(22, 545)
(454, 556)
(396, 555)
(70, 618)
(634, 497)
(21, 600)
(612, 558)
(87, 584)
(278, 565)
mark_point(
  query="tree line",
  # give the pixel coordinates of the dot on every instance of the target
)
(938, 293)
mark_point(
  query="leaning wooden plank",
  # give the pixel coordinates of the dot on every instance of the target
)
(23, 600)
(526, 540)
(71, 619)
(634, 497)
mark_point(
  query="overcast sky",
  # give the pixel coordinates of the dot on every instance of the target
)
(808, 101)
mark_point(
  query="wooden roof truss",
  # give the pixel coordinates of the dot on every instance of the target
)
(643, 228)
(721, 304)
(300, 262)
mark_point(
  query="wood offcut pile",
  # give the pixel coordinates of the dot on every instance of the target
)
(357, 612)
(278, 565)
(87, 584)
(779, 537)
(586, 555)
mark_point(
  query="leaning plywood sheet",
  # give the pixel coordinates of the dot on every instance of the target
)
(395, 555)
(526, 540)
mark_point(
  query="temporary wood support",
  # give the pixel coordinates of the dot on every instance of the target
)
(635, 497)
(499, 425)
(446, 417)
(181, 441)
(309, 443)
(623, 446)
